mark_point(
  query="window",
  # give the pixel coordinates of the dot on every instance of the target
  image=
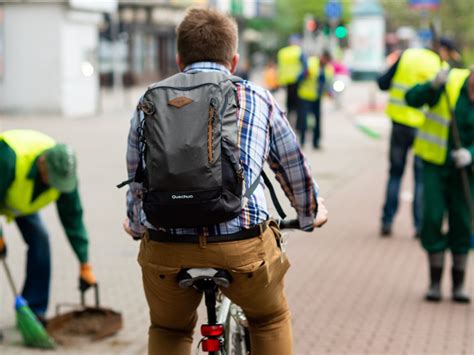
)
(138, 53)
(151, 54)
(2, 43)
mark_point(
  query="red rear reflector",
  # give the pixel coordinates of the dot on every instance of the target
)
(211, 344)
(212, 330)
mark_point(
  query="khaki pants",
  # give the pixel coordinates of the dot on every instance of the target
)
(257, 268)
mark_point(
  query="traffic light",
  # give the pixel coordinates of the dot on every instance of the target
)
(326, 29)
(311, 25)
(340, 31)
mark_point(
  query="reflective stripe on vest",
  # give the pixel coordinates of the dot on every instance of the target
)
(289, 64)
(400, 87)
(437, 118)
(433, 139)
(308, 88)
(431, 143)
(415, 66)
(28, 146)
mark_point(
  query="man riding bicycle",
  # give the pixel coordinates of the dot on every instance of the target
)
(247, 245)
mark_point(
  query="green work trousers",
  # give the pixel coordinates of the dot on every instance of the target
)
(443, 194)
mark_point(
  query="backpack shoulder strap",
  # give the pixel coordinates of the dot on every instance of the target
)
(235, 79)
(273, 195)
(271, 190)
(140, 171)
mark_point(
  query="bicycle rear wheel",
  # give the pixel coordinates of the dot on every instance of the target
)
(237, 340)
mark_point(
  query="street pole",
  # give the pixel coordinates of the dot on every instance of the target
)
(117, 72)
(307, 35)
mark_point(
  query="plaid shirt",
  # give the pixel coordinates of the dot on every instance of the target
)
(264, 135)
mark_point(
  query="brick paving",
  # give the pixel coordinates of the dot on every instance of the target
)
(350, 291)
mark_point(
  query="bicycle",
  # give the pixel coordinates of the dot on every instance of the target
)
(226, 331)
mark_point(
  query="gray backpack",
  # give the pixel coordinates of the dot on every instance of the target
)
(190, 166)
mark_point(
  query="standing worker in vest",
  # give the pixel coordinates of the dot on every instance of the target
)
(449, 51)
(442, 165)
(310, 93)
(416, 65)
(35, 171)
(292, 69)
(245, 243)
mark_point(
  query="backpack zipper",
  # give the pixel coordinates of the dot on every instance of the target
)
(238, 169)
(210, 130)
(183, 88)
(224, 106)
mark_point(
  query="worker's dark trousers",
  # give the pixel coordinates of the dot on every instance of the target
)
(304, 109)
(401, 141)
(444, 193)
(291, 98)
(38, 263)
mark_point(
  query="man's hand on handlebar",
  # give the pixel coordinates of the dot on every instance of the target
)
(129, 231)
(322, 216)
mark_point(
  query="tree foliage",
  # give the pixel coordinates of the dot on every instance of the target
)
(290, 13)
(289, 17)
(456, 18)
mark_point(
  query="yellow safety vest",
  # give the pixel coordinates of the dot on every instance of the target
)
(308, 88)
(431, 143)
(416, 66)
(27, 145)
(289, 64)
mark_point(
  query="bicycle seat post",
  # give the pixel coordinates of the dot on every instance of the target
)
(209, 287)
(208, 281)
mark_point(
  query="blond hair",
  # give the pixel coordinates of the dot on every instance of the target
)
(207, 35)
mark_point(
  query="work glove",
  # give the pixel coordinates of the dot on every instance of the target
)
(440, 79)
(87, 278)
(461, 157)
(3, 246)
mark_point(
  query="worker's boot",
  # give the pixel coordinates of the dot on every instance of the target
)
(458, 272)
(436, 262)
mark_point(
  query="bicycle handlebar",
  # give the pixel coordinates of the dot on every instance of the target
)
(289, 224)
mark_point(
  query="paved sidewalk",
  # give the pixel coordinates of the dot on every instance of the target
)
(350, 291)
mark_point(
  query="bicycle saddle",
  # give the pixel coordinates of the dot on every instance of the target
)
(188, 277)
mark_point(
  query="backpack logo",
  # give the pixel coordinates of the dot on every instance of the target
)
(182, 197)
(180, 101)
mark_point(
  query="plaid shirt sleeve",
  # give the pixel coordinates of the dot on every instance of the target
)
(291, 168)
(134, 193)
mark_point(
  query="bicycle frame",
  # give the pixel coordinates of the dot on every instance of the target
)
(233, 339)
(226, 332)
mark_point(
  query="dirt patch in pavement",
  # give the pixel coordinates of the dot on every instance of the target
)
(79, 329)
(83, 326)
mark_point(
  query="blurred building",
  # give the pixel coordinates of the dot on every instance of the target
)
(139, 41)
(2, 44)
(49, 52)
(54, 55)
(137, 44)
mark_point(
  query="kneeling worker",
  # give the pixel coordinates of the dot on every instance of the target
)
(35, 171)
